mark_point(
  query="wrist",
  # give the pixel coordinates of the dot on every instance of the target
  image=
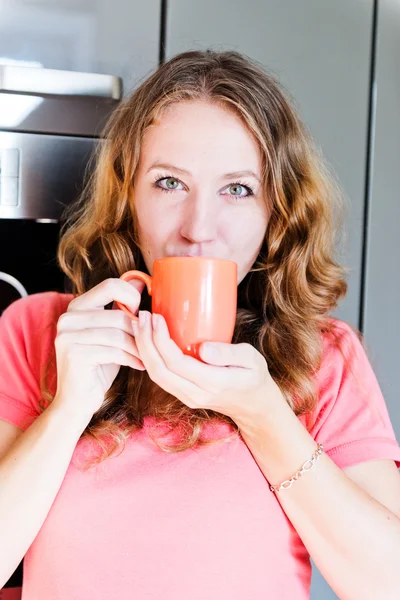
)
(72, 419)
(279, 442)
(272, 409)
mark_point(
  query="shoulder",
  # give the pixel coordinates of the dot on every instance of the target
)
(351, 417)
(343, 345)
(343, 357)
(38, 306)
(30, 322)
(339, 332)
(346, 381)
(28, 328)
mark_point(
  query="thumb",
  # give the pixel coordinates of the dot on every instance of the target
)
(221, 354)
(230, 355)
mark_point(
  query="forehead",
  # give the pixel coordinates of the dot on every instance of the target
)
(191, 133)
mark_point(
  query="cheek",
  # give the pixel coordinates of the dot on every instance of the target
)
(144, 217)
(247, 230)
(149, 236)
(154, 227)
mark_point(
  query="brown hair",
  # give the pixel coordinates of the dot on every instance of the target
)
(283, 302)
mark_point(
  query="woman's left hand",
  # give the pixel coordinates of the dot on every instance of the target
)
(234, 380)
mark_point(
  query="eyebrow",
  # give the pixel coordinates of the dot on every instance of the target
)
(226, 176)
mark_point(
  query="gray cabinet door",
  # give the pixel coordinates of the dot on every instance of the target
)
(320, 50)
(382, 297)
(118, 37)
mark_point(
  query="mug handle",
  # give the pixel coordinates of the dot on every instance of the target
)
(147, 279)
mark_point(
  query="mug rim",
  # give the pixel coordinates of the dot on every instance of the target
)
(196, 258)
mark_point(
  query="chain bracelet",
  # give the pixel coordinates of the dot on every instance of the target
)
(285, 485)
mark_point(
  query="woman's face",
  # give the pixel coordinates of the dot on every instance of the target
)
(189, 197)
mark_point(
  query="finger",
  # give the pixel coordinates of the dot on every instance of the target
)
(100, 355)
(95, 319)
(139, 286)
(207, 377)
(107, 291)
(185, 390)
(233, 355)
(113, 338)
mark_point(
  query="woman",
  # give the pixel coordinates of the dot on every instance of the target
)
(130, 470)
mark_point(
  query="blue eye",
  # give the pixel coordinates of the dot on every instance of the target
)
(169, 178)
(250, 191)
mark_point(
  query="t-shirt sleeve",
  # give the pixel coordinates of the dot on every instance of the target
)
(352, 419)
(27, 331)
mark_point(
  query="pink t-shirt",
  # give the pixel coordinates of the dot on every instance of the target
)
(200, 524)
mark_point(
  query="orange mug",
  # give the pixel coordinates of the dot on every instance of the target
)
(197, 296)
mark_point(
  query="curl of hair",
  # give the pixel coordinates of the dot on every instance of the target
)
(285, 299)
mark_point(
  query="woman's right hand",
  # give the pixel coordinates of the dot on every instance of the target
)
(92, 343)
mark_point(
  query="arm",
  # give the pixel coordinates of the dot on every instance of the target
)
(31, 473)
(353, 539)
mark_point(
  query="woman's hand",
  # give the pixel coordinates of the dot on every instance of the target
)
(235, 381)
(92, 344)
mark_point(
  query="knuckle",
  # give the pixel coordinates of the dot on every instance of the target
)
(72, 305)
(123, 320)
(156, 373)
(120, 336)
(107, 286)
(110, 284)
(61, 322)
(61, 338)
(122, 355)
(251, 352)
(171, 365)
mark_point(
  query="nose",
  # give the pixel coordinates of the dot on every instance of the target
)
(200, 219)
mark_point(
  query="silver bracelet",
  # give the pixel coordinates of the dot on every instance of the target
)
(285, 485)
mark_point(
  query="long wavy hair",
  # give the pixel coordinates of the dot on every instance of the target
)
(283, 302)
